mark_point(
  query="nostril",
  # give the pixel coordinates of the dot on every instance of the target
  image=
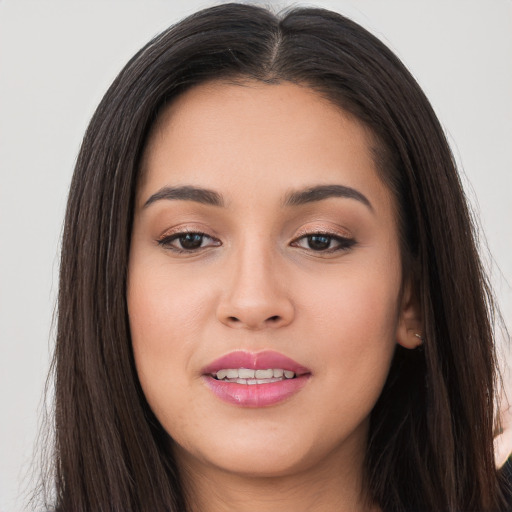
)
(233, 319)
(274, 319)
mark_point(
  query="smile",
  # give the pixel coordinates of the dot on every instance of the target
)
(255, 379)
(248, 376)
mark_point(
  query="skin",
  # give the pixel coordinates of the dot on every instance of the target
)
(255, 284)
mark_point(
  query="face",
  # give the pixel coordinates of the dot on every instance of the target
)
(265, 286)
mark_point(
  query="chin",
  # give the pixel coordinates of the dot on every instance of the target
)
(257, 453)
(251, 465)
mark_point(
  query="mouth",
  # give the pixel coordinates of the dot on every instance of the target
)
(258, 379)
(250, 377)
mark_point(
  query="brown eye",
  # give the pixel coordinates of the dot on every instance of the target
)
(319, 242)
(191, 241)
(324, 242)
(188, 242)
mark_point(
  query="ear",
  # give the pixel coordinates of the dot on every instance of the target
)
(409, 331)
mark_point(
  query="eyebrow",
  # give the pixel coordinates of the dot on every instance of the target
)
(322, 192)
(294, 198)
(187, 193)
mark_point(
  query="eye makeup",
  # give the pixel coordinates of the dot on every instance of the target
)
(324, 242)
(186, 240)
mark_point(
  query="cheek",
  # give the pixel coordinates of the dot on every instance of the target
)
(354, 323)
(361, 304)
(166, 322)
(163, 306)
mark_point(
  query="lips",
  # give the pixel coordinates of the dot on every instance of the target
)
(258, 379)
(255, 361)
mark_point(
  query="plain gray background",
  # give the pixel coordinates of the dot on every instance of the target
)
(57, 58)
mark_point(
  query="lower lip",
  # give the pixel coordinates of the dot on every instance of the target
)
(256, 395)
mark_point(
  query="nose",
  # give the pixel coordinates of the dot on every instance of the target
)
(255, 296)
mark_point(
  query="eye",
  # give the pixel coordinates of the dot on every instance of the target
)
(324, 242)
(188, 241)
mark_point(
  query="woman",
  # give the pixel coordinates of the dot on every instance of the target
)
(270, 294)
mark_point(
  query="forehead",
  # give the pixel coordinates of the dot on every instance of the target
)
(244, 104)
(284, 135)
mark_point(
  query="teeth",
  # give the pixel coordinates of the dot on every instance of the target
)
(245, 373)
(250, 382)
(264, 374)
(222, 374)
(247, 376)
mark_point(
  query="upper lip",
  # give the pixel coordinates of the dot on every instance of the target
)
(263, 360)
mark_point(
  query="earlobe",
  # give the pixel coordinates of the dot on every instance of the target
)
(411, 339)
(410, 326)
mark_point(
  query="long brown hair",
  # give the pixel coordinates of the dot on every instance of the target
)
(430, 441)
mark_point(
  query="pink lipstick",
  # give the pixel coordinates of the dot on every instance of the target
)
(260, 379)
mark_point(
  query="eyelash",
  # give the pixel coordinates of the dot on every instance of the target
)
(167, 240)
(343, 243)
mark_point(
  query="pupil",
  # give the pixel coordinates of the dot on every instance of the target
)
(191, 241)
(319, 242)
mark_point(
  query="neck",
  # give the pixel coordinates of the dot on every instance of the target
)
(326, 487)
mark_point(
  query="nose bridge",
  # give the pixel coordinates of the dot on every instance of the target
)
(255, 297)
